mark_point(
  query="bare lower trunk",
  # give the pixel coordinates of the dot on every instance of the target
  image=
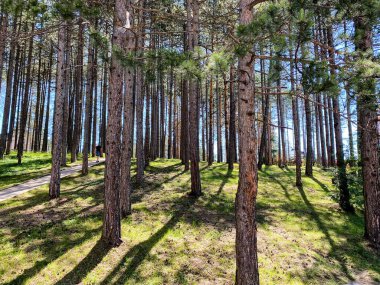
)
(369, 137)
(247, 272)
(192, 28)
(111, 221)
(55, 179)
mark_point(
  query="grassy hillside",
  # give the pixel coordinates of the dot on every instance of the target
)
(172, 239)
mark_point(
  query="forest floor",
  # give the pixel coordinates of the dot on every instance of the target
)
(170, 238)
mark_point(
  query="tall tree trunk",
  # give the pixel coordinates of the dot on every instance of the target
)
(344, 194)
(87, 119)
(78, 94)
(126, 155)
(232, 123)
(245, 210)
(210, 128)
(193, 30)
(147, 125)
(55, 179)
(218, 123)
(38, 102)
(25, 101)
(225, 101)
(111, 220)
(15, 98)
(47, 117)
(170, 119)
(66, 91)
(95, 104)
(8, 92)
(296, 124)
(139, 110)
(369, 137)
(3, 39)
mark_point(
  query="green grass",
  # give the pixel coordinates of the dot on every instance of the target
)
(170, 238)
(34, 165)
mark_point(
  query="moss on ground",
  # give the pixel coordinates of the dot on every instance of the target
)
(173, 239)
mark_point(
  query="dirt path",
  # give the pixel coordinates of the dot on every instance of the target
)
(34, 183)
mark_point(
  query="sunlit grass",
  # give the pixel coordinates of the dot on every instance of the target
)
(173, 239)
(34, 165)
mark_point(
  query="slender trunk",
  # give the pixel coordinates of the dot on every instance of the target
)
(170, 114)
(16, 86)
(47, 117)
(8, 93)
(55, 179)
(126, 155)
(210, 128)
(193, 29)
(95, 104)
(344, 199)
(218, 123)
(232, 126)
(66, 94)
(25, 101)
(147, 125)
(78, 94)
(296, 124)
(87, 119)
(139, 109)
(111, 217)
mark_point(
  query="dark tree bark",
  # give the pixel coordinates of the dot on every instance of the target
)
(65, 126)
(25, 101)
(111, 220)
(218, 122)
(210, 128)
(232, 123)
(126, 155)
(185, 124)
(15, 98)
(369, 136)
(247, 272)
(95, 104)
(170, 114)
(47, 117)
(344, 194)
(147, 125)
(78, 94)
(193, 30)
(3, 31)
(55, 179)
(87, 117)
(8, 93)
(296, 124)
(139, 109)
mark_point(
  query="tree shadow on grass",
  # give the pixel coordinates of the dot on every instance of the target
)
(272, 177)
(139, 252)
(224, 181)
(334, 248)
(52, 251)
(323, 186)
(87, 264)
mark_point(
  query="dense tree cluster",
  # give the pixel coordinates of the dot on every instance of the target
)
(250, 81)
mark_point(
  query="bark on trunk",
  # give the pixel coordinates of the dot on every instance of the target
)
(369, 137)
(55, 179)
(245, 211)
(193, 29)
(111, 221)
(25, 102)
